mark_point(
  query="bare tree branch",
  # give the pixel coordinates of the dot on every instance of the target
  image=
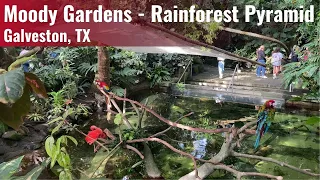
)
(164, 131)
(274, 161)
(170, 147)
(134, 150)
(239, 174)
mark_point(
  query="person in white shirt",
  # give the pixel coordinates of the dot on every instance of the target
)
(221, 66)
(277, 57)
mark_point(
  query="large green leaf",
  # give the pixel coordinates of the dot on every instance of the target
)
(11, 86)
(35, 172)
(36, 84)
(97, 164)
(13, 116)
(7, 169)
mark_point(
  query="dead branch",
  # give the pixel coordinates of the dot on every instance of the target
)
(122, 115)
(164, 131)
(246, 126)
(134, 150)
(170, 147)
(273, 161)
(239, 174)
(181, 126)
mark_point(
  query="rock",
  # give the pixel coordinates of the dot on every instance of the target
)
(24, 130)
(12, 135)
(11, 155)
(42, 127)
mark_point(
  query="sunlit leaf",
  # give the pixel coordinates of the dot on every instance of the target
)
(118, 119)
(73, 139)
(49, 143)
(57, 127)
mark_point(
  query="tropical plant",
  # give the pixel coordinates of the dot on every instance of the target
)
(57, 148)
(15, 104)
(8, 169)
(307, 71)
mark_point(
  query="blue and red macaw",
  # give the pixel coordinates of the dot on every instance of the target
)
(266, 115)
(103, 85)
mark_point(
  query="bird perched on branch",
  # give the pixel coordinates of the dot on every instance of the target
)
(265, 117)
(102, 85)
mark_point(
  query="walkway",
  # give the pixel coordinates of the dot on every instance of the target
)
(211, 75)
(246, 89)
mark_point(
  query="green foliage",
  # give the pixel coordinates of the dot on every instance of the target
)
(11, 86)
(12, 115)
(15, 90)
(180, 86)
(284, 32)
(307, 72)
(313, 121)
(3, 127)
(35, 117)
(158, 74)
(57, 151)
(7, 169)
(35, 172)
(57, 99)
(129, 134)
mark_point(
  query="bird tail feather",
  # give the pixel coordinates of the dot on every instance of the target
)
(256, 144)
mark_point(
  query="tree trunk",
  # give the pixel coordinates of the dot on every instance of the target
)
(5, 59)
(103, 65)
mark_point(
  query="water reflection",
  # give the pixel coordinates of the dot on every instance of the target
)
(199, 146)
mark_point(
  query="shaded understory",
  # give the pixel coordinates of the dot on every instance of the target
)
(284, 142)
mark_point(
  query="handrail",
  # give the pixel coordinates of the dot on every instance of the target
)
(232, 80)
(185, 70)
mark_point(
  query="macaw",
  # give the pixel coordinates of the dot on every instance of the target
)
(106, 89)
(103, 85)
(265, 117)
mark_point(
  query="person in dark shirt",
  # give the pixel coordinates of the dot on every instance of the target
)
(294, 56)
(261, 70)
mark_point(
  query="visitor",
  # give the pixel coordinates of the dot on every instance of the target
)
(294, 54)
(261, 70)
(277, 57)
(26, 65)
(306, 54)
(221, 66)
(257, 60)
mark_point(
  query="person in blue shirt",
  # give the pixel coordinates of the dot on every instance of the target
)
(261, 70)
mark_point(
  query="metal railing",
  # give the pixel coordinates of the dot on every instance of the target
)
(235, 72)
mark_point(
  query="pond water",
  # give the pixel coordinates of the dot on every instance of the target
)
(288, 140)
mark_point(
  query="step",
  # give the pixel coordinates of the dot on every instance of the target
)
(235, 86)
(235, 91)
(251, 99)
